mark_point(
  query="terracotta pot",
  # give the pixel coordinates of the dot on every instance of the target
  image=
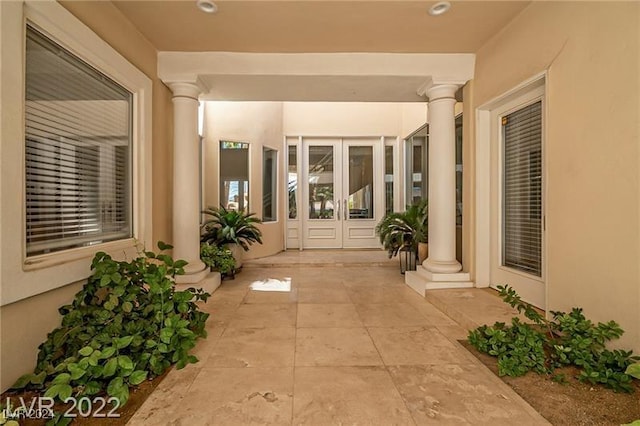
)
(423, 252)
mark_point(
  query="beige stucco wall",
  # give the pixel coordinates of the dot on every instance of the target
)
(590, 51)
(25, 324)
(109, 23)
(352, 118)
(259, 124)
(266, 124)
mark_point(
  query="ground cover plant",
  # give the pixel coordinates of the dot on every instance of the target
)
(567, 339)
(126, 325)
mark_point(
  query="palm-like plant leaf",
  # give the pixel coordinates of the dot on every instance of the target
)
(230, 226)
(406, 229)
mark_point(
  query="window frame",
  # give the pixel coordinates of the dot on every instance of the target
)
(220, 141)
(23, 276)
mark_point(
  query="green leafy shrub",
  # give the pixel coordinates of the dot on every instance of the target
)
(127, 324)
(217, 258)
(566, 339)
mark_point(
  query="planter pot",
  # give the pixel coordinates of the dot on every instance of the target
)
(238, 253)
(423, 252)
(408, 260)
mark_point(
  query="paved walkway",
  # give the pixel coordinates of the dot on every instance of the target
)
(348, 344)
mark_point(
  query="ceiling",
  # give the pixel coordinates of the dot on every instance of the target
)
(319, 26)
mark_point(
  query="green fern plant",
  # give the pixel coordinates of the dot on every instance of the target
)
(406, 229)
(230, 227)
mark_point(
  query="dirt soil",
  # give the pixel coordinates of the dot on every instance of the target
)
(137, 397)
(572, 403)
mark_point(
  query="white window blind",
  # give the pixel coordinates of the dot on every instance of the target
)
(522, 190)
(77, 151)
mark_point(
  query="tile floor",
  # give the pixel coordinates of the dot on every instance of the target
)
(349, 344)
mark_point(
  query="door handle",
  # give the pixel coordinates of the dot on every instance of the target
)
(338, 209)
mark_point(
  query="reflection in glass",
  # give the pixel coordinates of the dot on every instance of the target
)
(321, 182)
(234, 175)
(417, 171)
(293, 182)
(360, 182)
(269, 184)
(388, 179)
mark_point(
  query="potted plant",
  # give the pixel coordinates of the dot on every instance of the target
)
(234, 229)
(218, 259)
(405, 230)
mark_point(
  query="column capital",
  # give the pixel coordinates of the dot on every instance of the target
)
(187, 88)
(439, 88)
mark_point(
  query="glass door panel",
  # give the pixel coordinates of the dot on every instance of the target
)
(360, 201)
(321, 182)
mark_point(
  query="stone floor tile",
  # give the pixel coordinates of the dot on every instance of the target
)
(254, 296)
(453, 332)
(390, 315)
(362, 294)
(254, 347)
(460, 395)
(416, 345)
(166, 398)
(323, 295)
(328, 315)
(262, 315)
(347, 395)
(335, 346)
(430, 312)
(237, 396)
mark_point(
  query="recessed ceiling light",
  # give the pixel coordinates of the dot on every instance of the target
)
(207, 6)
(439, 8)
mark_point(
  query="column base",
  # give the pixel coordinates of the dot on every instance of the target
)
(440, 267)
(422, 280)
(191, 276)
(209, 282)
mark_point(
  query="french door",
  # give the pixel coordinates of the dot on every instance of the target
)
(342, 192)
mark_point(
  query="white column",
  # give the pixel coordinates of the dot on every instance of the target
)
(186, 186)
(442, 180)
(440, 269)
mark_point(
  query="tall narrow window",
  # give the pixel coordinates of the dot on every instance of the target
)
(417, 166)
(78, 139)
(522, 190)
(388, 179)
(269, 185)
(292, 183)
(234, 175)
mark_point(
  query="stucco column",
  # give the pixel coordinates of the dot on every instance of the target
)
(186, 186)
(442, 180)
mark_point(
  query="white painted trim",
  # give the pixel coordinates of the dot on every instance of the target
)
(485, 114)
(483, 197)
(20, 280)
(185, 65)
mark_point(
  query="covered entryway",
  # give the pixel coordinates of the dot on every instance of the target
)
(340, 197)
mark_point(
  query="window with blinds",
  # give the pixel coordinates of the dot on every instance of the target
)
(78, 140)
(522, 190)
